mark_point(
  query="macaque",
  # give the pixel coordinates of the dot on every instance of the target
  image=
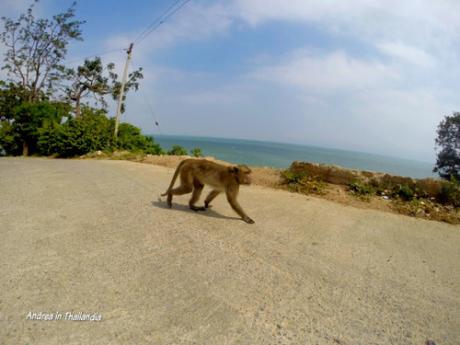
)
(195, 173)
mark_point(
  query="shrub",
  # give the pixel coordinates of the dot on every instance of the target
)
(177, 150)
(404, 192)
(196, 152)
(300, 182)
(130, 138)
(20, 132)
(291, 177)
(426, 209)
(312, 185)
(450, 193)
(91, 132)
(362, 190)
(428, 187)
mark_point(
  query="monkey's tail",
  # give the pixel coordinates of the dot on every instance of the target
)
(176, 173)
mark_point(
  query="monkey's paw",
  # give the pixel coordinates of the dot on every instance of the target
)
(249, 220)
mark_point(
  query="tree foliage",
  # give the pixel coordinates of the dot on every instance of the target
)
(177, 150)
(90, 132)
(196, 152)
(36, 48)
(20, 120)
(92, 78)
(448, 140)
(31, 120)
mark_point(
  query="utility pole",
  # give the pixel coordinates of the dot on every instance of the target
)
(122, 89)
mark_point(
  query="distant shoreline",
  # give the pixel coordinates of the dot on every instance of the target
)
(285, 143)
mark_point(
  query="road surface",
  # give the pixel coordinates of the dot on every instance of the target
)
(91, 237)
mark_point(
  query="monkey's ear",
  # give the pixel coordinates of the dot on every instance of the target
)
(244, 168)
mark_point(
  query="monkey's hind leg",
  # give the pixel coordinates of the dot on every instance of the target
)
(182, 189)
(197, 189)
(211, 196)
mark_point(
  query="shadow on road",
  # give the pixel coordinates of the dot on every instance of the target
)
(184, 208)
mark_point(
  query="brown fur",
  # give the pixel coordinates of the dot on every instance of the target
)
(195, 173)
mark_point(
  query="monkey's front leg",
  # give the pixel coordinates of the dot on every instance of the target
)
(231, 198)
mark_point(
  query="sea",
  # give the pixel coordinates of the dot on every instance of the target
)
(281, 155)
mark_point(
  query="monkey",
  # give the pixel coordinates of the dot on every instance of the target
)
(195, 173)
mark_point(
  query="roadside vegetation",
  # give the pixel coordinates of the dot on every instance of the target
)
(50, 109)
(428, 198)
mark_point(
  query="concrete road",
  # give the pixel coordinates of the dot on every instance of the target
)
(91, 237)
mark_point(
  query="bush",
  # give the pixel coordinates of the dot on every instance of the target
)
(450, 193)
(426, 209)
(361, 190)
(291, 177)
(130, 138)
(428, 187)
(196, 152)
(9, 139)
(300, 182)
(404, 192)
(20, 132)
(93, 131)
(177, 150)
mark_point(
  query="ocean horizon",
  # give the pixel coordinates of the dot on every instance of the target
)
(281, 155)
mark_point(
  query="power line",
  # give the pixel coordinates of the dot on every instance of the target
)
(94, 55)
(156, 21)
(147, 102)
(170, 11)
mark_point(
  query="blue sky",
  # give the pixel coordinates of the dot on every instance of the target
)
(365, 75)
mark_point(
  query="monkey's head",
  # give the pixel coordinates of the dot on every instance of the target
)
(242, 174)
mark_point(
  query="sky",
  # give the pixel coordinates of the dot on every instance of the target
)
(362, 75)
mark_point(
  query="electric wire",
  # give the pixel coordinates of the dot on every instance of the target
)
(94, 55)
(171, 10)
(149, 106)
(158, 19)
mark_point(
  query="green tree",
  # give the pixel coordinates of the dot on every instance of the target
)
(90, 132)
(177, 150)
(448, 140)
(36, 48)
(92, 78)
(130, 138)
(11, 96)
(77, 136)
(20, 133)
(196, 152)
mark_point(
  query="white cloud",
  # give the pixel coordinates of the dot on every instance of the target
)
(407, 53)
(360, 104)
(329, 72)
